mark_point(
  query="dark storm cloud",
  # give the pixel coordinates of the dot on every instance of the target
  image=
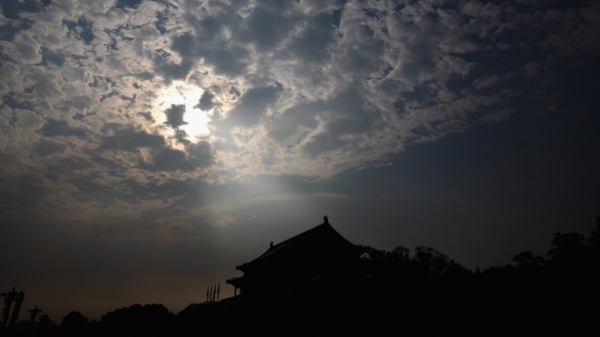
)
(129, 139)
(73, 164)
(211, 43)
(81, 28)
(253, 104)
(147, 116)
(166, 159)
(146, 75)
(189, 48)
(163, 158)
(345, 114)
(12, 9)
(293, 120)
(161, 20)
(184, 45)
(196, 155)
(350, 118)
(173, 71)
(206, 101)
(357, 61)
(182, 137)
(61, 128)
(92, 188)
(45, 148)
(55, 57)
(16, 104)
(128, 3)
(313, 44)
(229, 61)
(175, 115)
(266, 27)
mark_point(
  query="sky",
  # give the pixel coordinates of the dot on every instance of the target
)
(149, 147)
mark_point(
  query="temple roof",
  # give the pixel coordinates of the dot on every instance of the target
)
(319, 243)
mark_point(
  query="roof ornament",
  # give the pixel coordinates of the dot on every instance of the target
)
(326, 219)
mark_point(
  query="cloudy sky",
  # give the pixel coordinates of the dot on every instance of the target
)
(149, 147)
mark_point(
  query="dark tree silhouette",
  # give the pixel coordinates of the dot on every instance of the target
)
(569, 256)
(73, 324)
(529, 265)
(430, 263)
(137, 319)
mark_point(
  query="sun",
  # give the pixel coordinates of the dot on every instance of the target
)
(196, 120)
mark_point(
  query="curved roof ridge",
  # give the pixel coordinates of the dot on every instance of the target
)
(315, 237)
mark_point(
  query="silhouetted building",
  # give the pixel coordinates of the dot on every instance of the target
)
(315, 265)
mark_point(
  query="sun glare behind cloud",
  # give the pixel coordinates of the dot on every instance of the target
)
(195, 120)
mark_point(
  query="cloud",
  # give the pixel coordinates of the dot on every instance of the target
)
(200, 154)
(54, 127)
(128, 3)
(253, 104)
(48, 148)
(175, 115)
(129, 139)
(92, 92)
(23, 49)
(266, 25)
(346, 116)
(225, 221)
(206, 101)
(166, 159)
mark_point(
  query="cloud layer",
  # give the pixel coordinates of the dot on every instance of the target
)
(98, 99)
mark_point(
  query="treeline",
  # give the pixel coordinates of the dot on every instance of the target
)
(555, 294)
(573, 257)
(422, 290)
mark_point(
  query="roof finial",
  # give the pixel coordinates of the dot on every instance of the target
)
(325, 219)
